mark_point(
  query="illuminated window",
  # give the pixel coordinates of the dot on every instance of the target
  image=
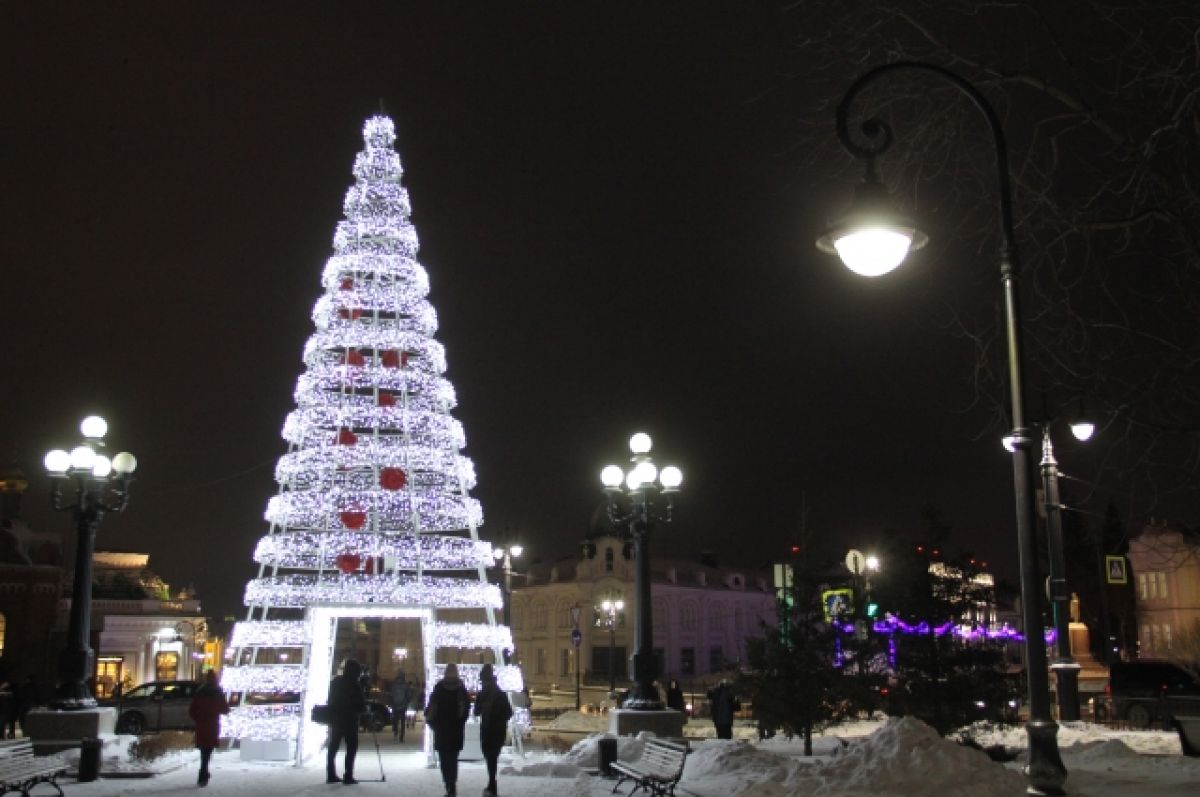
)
(3, 631)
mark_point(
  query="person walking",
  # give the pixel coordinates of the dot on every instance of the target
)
(446, 715)
(723, 706)
(675, 696)
(346, 705)
(494, 711)
(400, 694)
(206, 708)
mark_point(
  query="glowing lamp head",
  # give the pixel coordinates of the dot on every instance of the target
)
(515, 550)
(640, 443)
(93, 427)
(1010, 443)
(57, 461)
(872, 562)
(124, 463)
(83, 457)
(612, 476)
(1083, 430)
(646, 472)
(633, 482)
(619, 605)
(670, 477)
(101, 467)
(607, 606)
(872, 238)
(497, 554)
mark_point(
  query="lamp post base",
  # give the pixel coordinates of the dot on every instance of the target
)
(666, 724)
(1066, 675)
(1044, 767)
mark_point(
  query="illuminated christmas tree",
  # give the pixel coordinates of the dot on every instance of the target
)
(373, 517)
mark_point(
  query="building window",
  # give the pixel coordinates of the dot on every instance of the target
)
(166, 666)
(564, 662)
(716, 618)
(1161, 578)
(687, 662)
(608, 560)
(539, 615)
(540, 667)
(1166, 638)
(1142, 589)
(564, 616)
(688, 617)
(3, 631)
(716, 660)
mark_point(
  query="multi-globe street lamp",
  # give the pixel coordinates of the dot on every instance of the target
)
(505, 556)
(609, 614)
(872, 239)
(99, 485)
(637, 500)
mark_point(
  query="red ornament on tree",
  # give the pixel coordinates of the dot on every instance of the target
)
(353, 519)
(354, 357)
(347, 283)
(346, 437)
(392, 479)
(386, 399)
(350, 313)
(348, 562)
(403, 359)
(389, 358)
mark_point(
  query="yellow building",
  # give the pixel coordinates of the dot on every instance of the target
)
(1166, 578)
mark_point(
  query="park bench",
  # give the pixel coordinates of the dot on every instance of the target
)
(657, 771)
(21, 770)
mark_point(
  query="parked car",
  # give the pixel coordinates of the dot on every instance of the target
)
(158, 705)
(1150, 690)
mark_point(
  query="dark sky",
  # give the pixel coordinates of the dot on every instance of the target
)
(618, 237)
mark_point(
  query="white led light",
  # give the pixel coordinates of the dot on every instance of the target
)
(873, 252)
(102, 466)
(640, 443)
(83, 458)
(671, 477)
(612, 476)
(301, 591)
(57, 461)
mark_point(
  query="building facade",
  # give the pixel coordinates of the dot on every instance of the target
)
(1165, 565)
(702, 616)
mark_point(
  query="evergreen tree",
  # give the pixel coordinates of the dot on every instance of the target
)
(799, 680)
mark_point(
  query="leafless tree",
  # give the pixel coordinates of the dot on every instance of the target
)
(1101, 106)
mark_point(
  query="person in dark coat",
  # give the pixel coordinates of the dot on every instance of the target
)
(400, 694)
(675, 696)
(346, 705)
(724, 705)
(494, 711)
(206, 708)
(446, 715)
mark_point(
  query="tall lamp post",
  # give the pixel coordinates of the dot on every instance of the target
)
(872, 239)
(99, 486)
(1066, 669)
(634, 498)
(609, 612)
(195, 631)
(505, 556)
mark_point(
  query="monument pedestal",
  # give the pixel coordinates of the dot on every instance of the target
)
(666, 723)
(53, 731)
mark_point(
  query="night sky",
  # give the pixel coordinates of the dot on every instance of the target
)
(617, 224)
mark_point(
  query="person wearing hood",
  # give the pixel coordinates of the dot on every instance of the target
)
(206, 708)
(494, 710)
(446, 715)
(346, 705)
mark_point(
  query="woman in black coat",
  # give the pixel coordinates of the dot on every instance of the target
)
(446, 715)
(494, 710)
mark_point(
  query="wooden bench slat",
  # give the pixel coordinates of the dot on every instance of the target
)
(658, 770)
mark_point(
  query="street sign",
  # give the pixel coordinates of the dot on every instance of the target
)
(576, 637)
(856, 562)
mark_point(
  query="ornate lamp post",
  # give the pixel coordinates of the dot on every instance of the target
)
(1064, 666)
(608, 614)
(100, 485)
(505, 556)
(872, 239)
(636, 500)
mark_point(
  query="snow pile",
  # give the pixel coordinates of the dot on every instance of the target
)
(1105, 752)
(1081, 735)
(904, 757)
(578, 721)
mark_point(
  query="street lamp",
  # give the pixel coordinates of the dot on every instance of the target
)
(100, 485)
(646, 503)
(195, 631)
(505, 556)
(872, 239)
(610, 611)
(1066, 669)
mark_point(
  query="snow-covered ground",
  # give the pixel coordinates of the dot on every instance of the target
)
(898, 758)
